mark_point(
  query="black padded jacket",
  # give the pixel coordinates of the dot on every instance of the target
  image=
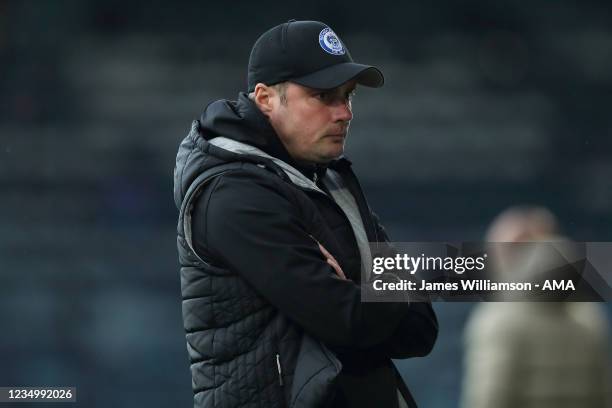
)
(268, 322)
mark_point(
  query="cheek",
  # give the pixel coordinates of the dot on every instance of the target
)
(308, 124)
(316, 123)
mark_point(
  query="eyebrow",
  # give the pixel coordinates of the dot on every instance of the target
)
(337, 90)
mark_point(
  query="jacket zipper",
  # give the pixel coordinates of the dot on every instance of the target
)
(280, 370)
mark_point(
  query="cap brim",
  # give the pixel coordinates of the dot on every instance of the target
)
(338, 74)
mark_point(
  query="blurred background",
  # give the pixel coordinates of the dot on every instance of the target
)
(486, 105)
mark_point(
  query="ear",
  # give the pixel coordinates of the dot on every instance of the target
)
(264, 98)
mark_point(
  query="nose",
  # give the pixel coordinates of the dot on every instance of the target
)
(343, 112)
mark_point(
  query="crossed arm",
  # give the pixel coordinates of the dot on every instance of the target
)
(265, 240)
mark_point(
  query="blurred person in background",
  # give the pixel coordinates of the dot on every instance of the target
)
(534, 354)
(273, 238)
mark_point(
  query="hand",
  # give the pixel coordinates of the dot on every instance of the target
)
(332, 261)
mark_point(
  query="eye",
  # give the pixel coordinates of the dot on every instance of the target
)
(335, 96)
(324, 96)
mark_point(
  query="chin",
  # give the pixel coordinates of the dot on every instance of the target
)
(331, 156)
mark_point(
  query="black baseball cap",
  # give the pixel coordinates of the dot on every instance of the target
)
(308, 53)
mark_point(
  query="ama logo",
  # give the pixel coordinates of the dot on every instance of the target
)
(558, 285)
(330, 42)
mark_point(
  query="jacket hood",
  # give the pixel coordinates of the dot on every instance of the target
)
(240, 121)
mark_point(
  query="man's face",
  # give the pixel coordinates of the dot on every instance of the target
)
(313, 124)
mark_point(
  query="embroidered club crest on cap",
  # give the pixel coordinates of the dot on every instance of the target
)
(330, 42)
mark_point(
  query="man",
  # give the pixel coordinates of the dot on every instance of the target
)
(534, 354)
(273, 238)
